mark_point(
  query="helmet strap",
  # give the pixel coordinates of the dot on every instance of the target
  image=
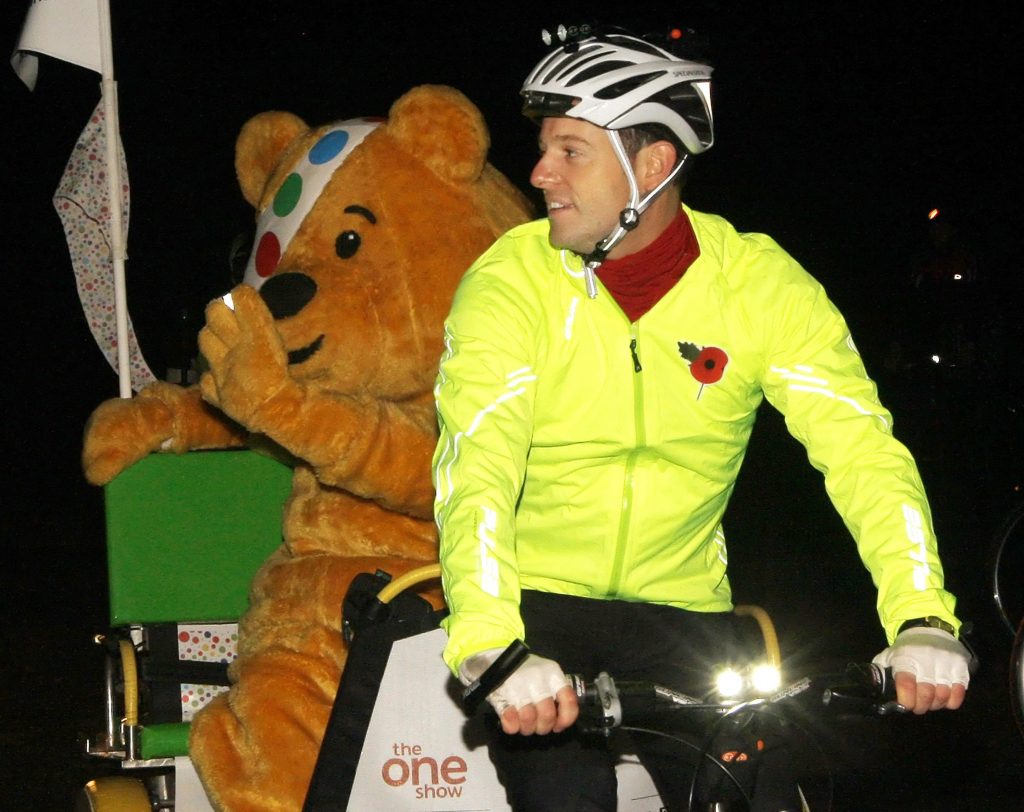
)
(629, 217)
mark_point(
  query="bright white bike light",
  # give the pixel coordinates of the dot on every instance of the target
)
(729, 683)
(765, 678)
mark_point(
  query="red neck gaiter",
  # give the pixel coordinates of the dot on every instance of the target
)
(638, 281)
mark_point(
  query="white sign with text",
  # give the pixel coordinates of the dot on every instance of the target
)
(421, 754)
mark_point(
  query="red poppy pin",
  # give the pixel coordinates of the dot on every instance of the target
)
(706, 365)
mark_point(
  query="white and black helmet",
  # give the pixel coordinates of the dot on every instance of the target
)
(617, 80)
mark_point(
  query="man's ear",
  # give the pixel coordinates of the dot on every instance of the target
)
(655, 162)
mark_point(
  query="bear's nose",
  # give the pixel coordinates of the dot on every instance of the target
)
(287, 293)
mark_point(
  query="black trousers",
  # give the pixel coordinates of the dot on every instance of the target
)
(570, 772)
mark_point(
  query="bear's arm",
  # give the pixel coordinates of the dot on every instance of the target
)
(375, 449)
(163, 417)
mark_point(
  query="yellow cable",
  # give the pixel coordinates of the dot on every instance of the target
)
(131, 683)
(403, 582)
(431, 571)
(771, 639)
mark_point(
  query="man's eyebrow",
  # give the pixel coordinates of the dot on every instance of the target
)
(563, 140)
(362, 210)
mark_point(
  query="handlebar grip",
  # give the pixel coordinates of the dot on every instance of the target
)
(499, 671)
(865, 687)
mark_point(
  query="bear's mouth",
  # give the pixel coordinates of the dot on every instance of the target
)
(305, 353)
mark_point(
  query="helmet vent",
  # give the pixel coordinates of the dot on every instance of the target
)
(594, 71)
(570, 59)
(688, 103)
(618, 89)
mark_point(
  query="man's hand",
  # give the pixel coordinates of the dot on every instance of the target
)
(930, 668)
(549, 715)
(535, 699)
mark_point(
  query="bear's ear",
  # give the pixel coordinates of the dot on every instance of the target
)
(442, 128)
(259, 148)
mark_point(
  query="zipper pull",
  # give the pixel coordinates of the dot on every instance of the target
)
(636, 360)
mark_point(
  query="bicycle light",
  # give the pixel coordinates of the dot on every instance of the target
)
(729, 683)
(757, 679)
(765, 678)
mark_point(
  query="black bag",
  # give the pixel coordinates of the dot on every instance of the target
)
(370, 627)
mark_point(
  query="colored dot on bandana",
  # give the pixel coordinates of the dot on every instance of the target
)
(328, 147)
(268, 254)
(288, 195)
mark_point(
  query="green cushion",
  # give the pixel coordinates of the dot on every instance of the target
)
(186, 533)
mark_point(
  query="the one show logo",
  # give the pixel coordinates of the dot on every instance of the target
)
(426, 776)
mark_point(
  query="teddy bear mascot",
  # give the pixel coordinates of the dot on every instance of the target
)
(364, 230)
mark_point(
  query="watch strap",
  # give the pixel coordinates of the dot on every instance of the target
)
(930, 622)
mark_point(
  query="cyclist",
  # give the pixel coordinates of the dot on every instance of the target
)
(602, 371)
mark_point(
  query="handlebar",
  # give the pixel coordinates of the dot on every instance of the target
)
(861, 688)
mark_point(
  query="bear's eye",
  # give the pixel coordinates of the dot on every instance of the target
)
(347, 244)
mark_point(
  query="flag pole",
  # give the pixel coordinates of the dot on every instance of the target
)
(108, 89)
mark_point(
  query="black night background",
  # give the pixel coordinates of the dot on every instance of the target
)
(839, 127)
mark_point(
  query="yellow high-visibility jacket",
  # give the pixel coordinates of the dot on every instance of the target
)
(586, 455)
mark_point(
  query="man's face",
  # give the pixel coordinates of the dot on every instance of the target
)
(583, 184)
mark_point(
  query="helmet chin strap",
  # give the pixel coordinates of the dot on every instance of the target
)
(629, 217)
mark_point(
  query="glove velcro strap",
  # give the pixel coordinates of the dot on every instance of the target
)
(499, 671)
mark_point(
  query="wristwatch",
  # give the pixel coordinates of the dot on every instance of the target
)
(929, 622)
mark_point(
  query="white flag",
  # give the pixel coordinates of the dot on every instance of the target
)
(65, 29)
(82, 201)
(78, 31)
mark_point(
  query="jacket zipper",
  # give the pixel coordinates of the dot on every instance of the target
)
(626, 513)
(632, 351)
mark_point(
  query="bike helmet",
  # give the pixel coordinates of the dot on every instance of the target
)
(617, 80)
